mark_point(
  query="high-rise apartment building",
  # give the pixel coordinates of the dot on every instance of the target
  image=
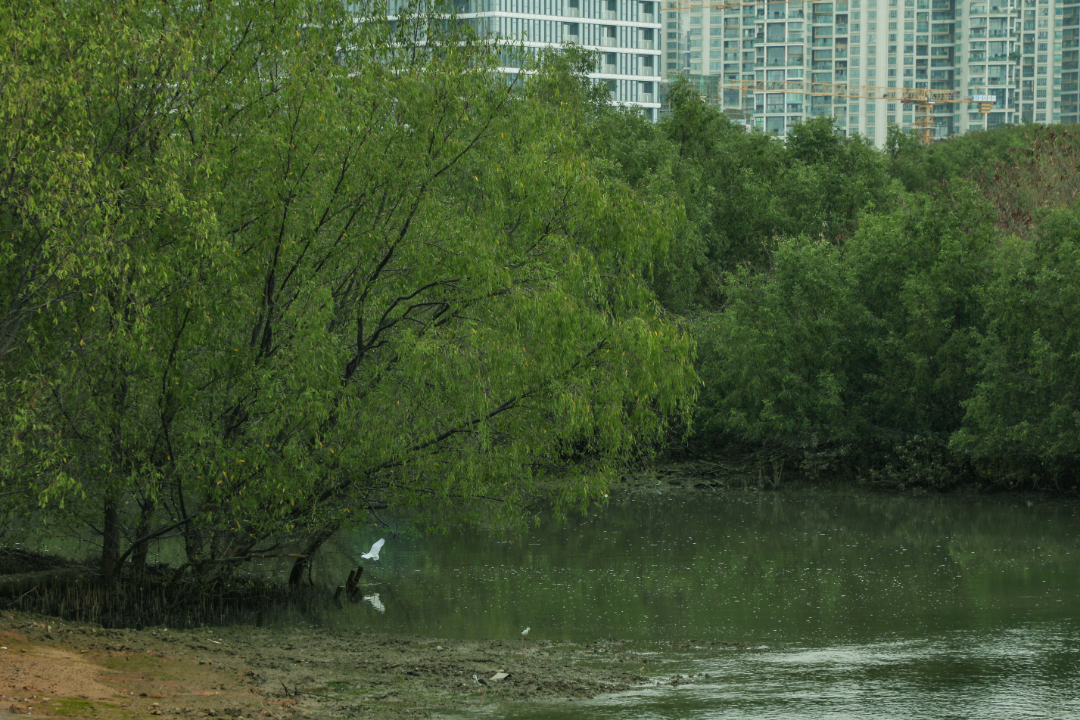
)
(1023, 53)
(625, 33)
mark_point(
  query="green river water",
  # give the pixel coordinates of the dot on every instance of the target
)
(845, 605)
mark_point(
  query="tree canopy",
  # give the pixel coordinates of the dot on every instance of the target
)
(271, 267)
(887, 315)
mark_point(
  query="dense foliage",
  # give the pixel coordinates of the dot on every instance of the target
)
(267, 269)
(901, 316)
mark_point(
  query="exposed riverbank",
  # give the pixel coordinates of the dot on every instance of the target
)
(53, 668)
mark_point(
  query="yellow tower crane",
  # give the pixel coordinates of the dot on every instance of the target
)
(691, 5)
(923, 99)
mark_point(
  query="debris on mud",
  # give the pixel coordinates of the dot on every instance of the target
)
(54, 668)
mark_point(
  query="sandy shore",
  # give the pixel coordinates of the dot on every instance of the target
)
(53, 668)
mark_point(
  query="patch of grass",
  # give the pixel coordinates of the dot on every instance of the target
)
(72, 707)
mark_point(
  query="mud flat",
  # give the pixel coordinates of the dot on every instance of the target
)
(53, 668)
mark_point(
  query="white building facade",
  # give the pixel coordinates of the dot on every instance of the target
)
(625, 33)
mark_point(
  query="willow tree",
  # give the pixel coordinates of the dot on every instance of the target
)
(378, 273)
(91, 175)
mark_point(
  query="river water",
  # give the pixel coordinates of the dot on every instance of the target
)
(836, 605)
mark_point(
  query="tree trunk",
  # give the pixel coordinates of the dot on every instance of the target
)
(110, 541)
(316, 541)
(139, 553)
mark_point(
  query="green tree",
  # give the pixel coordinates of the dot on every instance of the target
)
(739, 190)
(92, 162)
(861, 348)
(377, 274)
(1022, 418)
(922, 168)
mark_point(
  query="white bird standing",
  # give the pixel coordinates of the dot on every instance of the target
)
(373, 553)
(481, 682)
(525, 636)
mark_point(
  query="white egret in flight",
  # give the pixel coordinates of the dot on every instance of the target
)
(373, 553)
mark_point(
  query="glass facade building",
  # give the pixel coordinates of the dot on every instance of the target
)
(1023, 53)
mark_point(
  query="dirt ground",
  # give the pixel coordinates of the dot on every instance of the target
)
(51, 668)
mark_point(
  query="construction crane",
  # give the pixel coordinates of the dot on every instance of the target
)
(684, 5)
(923, 99)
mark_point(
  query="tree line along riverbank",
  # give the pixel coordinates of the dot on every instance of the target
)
(269, 272)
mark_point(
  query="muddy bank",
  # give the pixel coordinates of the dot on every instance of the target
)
(52, 668)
